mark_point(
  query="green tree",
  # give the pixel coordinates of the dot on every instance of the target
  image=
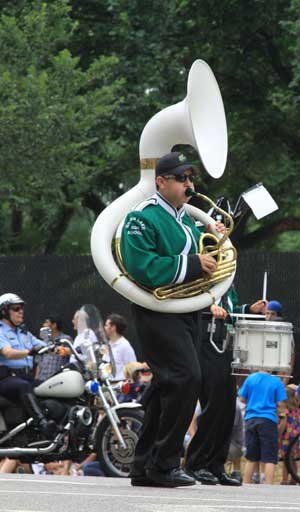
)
(55, 126)
(253, 48)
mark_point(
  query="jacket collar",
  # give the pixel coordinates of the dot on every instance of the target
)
(164, 203)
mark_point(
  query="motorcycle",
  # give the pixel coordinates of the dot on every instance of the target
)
(82, 402)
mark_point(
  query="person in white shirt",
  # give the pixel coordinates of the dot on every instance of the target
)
(122, 351)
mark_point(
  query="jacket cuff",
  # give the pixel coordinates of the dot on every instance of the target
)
(245, 308)
(194, 268)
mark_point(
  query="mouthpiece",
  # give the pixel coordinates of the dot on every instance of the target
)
(190, 192)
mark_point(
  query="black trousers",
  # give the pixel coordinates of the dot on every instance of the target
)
(13, 388)
(171, 345)
(209, 447)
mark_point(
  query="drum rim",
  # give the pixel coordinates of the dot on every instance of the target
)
(262, 324)
(259, 368)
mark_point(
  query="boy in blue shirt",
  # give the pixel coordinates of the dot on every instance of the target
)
(262, 393)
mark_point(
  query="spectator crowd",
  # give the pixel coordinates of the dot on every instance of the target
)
(267, 407)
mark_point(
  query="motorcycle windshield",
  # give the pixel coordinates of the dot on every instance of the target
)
(88, 347)
(90, 327)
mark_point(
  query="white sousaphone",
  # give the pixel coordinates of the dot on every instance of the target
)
(199, 120)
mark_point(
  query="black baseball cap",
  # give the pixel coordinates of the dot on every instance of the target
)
(174, 163)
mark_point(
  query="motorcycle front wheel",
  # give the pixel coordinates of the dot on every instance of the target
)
(114, 460)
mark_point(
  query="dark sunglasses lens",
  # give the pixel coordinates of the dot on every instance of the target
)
(17, 308)
(183, 178)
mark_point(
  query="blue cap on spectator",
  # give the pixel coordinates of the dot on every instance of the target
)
(274, 305)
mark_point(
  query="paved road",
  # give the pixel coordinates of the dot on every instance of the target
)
(20, 493)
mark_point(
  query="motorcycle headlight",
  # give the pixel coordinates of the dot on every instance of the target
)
(105, 370)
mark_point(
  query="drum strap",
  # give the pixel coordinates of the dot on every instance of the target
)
(211, 338)
(225, 303)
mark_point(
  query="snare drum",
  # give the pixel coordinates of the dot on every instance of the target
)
(261, 345)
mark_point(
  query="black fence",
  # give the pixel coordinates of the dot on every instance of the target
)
(61, 284)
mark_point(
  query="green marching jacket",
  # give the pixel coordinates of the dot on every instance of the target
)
(159, 244)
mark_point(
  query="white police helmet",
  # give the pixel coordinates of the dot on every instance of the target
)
(10, 298)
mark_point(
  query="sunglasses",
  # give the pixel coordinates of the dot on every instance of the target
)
(16, 308)
(182, 178)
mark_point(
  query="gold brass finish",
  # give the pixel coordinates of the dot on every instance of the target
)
(148, 163)
(225, 256)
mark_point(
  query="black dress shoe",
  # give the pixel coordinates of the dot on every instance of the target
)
(204, 476)
(173, 478)
(225, 479)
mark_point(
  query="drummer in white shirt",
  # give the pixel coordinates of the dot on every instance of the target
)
(122, 351)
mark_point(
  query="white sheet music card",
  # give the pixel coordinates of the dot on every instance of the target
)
(260, 201)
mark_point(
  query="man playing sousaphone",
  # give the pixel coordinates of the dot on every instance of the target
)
(159, 246)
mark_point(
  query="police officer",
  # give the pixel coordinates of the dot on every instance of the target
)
(17, 346)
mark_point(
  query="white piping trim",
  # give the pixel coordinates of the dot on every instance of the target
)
(141, 206)
(183, 269)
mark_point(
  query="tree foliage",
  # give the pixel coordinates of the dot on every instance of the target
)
(253, 48)
(80, 79)
(55, 129)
